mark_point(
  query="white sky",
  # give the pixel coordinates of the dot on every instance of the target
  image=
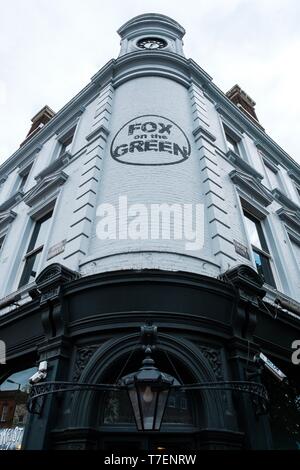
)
(49, 49)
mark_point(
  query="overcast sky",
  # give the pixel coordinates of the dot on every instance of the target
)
(49, 49)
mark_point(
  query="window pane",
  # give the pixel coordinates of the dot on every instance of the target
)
(263, 267)
(232, 144)
(67, 143)
(39, 235)
(43, 231)
(24, 177)
(252, 232)
(273, 178)
(13, 411)
(178, 410)
(1, 242)
(30, 268)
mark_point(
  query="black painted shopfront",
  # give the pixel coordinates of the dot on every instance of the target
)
(208, 331)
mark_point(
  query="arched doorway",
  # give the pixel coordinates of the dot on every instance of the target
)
(187, 412)
(180, 421)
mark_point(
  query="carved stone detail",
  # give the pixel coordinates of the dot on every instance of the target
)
(214, 358)
(82, 358)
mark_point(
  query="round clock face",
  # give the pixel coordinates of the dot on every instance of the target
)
(151, 43)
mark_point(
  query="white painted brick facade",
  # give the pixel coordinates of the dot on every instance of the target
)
(94, 177)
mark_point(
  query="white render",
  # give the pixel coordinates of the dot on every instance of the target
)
(161, 83)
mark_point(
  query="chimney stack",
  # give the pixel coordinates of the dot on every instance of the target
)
(39, 121)
(243, 101)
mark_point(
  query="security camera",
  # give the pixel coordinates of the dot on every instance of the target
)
(41, 374)
(275, 371)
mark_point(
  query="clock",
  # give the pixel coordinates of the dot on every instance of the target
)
(151, 43)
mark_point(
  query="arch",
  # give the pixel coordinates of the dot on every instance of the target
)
(184, 351)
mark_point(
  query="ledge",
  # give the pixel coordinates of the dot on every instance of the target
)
(200, 131)
(101, 131)
(240, 163)
(290, 218)
(6, 218)
(285, 201)
(54, 166)
(294, 176)
(44, 187)
(12, 201)
(252, 186)
(149, 64)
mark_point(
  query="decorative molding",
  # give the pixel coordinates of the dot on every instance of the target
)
(232, 120)
(101, 132)
(45, 186)
(290, 218)
(54, 166)
(252, 186)
(214, 358)
(285, 201)
(241, 164)
(3, 179)
(151, 63)
(69, 124)
(246, 280)
(50, 280)
(12, 201)
(151, 22)
(201, 132)
(6, 218)
(82, 358)
(269, 156)
(294, 176)
(270, 163)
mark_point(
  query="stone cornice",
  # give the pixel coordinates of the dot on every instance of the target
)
(200, 131)
(151, 22)
(54, 166)
(252, 186)
(295, 177)
(241, 164)
(149, 64)
(164, 64)
(285, 201)
(290, 218)
(12, 201)
(48, 184)
(62, 117)
(6, 218)
(266, 142)
(101, 131)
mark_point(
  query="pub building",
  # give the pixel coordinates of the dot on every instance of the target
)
(135, 342)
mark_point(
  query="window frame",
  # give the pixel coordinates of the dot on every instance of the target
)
(32, 250)
(2, 238)
(62, 139)
(4, 413)
(23, 175)
(232, 141)
(263, 251)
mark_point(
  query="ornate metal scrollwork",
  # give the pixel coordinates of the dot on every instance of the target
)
(38, 391)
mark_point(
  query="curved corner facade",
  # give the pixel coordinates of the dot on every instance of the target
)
(150, 197)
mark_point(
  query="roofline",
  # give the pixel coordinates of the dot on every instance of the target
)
(107, 73)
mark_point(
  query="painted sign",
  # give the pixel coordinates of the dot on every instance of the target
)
(56, 249)
(241, 249)
(150, 140)
(11, 438)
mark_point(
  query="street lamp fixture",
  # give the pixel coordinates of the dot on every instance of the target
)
(148, 390)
